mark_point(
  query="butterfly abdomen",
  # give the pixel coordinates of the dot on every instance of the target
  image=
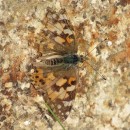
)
(54, 61)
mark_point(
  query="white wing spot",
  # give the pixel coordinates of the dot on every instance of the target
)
(67, 103)
(67, 113)
(59, 106)
(68, 31)
(71, 88)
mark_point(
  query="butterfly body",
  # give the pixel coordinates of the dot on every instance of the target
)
(62, 60)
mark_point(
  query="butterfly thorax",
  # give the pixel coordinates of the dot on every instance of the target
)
(71, 59)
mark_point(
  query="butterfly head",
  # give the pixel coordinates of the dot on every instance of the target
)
(82, 58)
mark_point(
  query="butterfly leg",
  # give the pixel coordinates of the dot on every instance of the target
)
(68, 66)
(78, 75)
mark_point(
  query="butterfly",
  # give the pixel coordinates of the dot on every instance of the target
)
(55, 72)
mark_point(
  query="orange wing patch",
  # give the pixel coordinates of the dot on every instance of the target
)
(72, 80)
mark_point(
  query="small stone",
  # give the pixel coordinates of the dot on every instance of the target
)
(5, 65)
(8, 85)
(25, 86)
(109, 43)
(27, 123)
(2, 118)
(116, 121)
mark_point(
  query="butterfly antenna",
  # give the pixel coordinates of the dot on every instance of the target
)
(103, 77)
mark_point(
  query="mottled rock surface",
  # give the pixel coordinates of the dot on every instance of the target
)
(103, 28)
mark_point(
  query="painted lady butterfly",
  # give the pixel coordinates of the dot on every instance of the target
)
(56, 73)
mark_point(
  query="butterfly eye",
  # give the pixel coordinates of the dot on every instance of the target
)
(82, 58)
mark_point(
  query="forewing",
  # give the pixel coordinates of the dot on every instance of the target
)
(59, 30)
(58, 89)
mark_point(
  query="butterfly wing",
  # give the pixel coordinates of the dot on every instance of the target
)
(59, 30)
(58, 89)
(56, 34)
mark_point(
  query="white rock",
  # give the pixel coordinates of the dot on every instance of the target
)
(8, 85)
(109, 43)
(73, 122)
(116, 121)
(27, 123)
(5, 65)
(25, 85)
(125, 112)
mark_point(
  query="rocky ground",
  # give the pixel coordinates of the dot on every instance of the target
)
(102, 28)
